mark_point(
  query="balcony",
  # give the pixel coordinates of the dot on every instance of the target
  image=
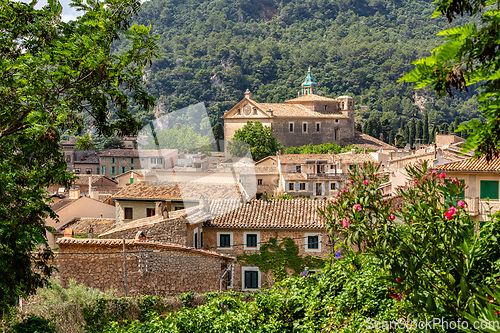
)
(325, 175)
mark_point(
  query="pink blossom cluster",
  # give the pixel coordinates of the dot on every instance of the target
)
(449, 214)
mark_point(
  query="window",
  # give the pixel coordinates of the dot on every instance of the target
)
(336, 121)
(489, 189)
(129, 213)
(201, 239)
(131, 180)
(302, 186)
(113, 160)
(318, 127)
(132, 160)
(251, 278)
(290, 125)
(103, 159)
(88, 171)
(113, 170)
(313, 242)
(150, 212)
(290, 186)
(304, 127)
(156, 160)
(297, 168)
(352, 167)
(224, 240)
(124, 169)
(77, 170)
(103, 170)
(259, 181)
(251, 240)
(195, 238)
(333, 186)
(124, 159)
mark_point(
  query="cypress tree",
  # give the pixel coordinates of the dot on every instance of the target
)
(411, 133)
(426, 128)
(420, 131)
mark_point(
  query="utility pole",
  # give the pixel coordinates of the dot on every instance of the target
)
(125, 285)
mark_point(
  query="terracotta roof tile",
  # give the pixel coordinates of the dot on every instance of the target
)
(294, 176)
(296, 110)
(280, 214)
(119, 153)
(186, 191)
(303, 158)
(362, 140)
(81, 225)
(83, 179)
(480, 164)
(355, 158)
(119, 242)
(311, 98)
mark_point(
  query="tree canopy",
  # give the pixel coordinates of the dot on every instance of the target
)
(257, 138)
(51, 73)
(469, 56)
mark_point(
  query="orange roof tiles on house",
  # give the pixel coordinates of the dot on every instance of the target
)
(187, 191)
(294, 176)
(355, 158)
(131, 242)
(81, 225)
(362, 140)
(83, 179)
(279, 214)
(311, 98)
(476, 165)
(296, 110)
(303, 158)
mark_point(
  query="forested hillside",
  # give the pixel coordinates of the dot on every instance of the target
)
(212, 50)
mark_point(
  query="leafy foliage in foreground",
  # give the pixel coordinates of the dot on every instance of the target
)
(50, 73)
(339, 299)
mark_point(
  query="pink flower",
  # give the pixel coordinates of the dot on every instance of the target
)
(452, 210)
(461, 204)
(357, 206)
(337, 195)
(391, 217)
(371, 182)
(365, 182)
(434, 172)
(454, 180)
(352, 181)
(448, 215)
(399, 280)
(412, 221)
(399, 297)
(442, 175)
(346, 190)
(345, 223)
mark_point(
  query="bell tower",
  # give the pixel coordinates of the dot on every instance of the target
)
(309, 86)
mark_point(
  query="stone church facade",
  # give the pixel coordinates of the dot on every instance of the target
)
(309, 118)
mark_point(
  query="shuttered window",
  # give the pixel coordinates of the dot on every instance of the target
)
(129, 213)
(489, 189)
(251, 279)
(225, 240)
(251, 240)
(312, 242)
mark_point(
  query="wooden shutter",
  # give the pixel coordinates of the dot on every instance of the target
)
(489, 189)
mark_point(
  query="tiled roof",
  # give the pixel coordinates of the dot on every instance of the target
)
(362, 140)
(83, 179)
(302, 158)
(279, 214)
(311, 98)
(61, 204)
(81, 225)
(187, 191)
(296, 110)
(355, 158)
(480, 164)
(119, 242)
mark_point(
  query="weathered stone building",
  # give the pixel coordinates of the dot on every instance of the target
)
(307, 119)
(152, 268)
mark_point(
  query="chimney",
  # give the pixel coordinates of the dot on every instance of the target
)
(90, 185)
(353, 151)
(94, 194)
(91, 232)
(161, 209)
(68, 232)
(74, 193)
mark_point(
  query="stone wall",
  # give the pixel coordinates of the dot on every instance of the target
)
(168, 231)
(151, 269)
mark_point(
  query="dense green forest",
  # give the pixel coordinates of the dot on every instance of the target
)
(212, 50)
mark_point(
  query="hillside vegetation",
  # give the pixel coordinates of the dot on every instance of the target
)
(212, 50)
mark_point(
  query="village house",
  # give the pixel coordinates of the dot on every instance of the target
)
(140, 199)
(87, 165)
(151, 268)
(482, 180)
(246, 228)
(76, 206)
(98, 184)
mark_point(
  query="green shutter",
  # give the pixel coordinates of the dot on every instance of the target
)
(489, 189)
(251, 279)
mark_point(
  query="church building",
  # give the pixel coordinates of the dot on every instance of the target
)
(307, 119)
